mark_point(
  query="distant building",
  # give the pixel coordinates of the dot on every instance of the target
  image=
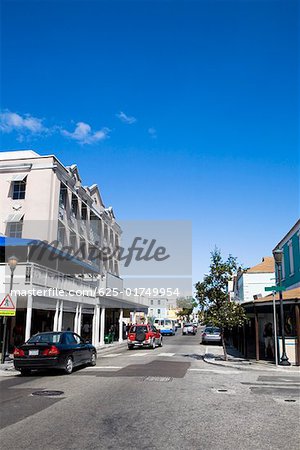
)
(161, 307)
(252, 282)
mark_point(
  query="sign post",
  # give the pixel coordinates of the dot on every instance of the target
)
(7, 307)
(275, 289)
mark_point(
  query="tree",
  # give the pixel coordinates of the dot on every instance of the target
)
(213, 298)
(186, 305)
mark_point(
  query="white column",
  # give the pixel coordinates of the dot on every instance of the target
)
(28, 318)
(55, 322)
(102, 325)
(94, 327)
(79, 320)
(121, 325)
(97, 324)
(60, 316)
(76, 319)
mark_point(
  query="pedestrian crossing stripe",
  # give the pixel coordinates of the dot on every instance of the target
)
(7, 303)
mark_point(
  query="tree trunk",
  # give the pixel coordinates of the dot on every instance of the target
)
(224, 346)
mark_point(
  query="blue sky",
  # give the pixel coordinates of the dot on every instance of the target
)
(178, 110)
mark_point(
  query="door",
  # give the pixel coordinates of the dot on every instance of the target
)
(85, 349)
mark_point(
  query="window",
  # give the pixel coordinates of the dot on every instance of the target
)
(63, 195)
(158, 302)
(19, 189)
(49, 338)
(14, 229)
(61, 234)
(82, 248)
(84, 211)
(73, 241)
(151, 302)
(70, 339)
(283, 267)
(74, 205)
(291, 257)
(158, 311)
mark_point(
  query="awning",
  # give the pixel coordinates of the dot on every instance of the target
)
(19, 242)
(18, 177)
(15, 217)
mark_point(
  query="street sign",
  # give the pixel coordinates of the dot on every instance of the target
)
(275, 288)
(7, 307)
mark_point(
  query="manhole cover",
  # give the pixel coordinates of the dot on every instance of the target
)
(158, 379)
(47, 393)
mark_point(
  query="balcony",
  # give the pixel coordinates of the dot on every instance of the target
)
(30, 276)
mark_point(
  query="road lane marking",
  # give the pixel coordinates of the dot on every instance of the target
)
(215, 370)
(166, 354)
(111, 355)
(139, 354)
(103, 367)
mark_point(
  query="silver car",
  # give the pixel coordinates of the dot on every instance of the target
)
(189, 328)
(211, 334)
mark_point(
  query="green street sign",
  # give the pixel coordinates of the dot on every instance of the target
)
(275, 288)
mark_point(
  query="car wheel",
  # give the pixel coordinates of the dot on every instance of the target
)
(25, 372)
(153, 346)
(69, 366)
(160, 343)
(130, 347)
(93, 360)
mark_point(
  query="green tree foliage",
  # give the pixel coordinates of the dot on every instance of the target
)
(186, 305)
(213, 298)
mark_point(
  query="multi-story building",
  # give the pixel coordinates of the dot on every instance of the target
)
(42, 199)
(260, 310)
(253, 281)
(290, 267)
(161, 307)
(44, 205)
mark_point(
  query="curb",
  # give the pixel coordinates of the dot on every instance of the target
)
(111, 348)
(250, 366)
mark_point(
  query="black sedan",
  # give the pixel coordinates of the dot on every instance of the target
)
(54, 350)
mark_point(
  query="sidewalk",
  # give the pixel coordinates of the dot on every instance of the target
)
(236, 361)
(7, 369)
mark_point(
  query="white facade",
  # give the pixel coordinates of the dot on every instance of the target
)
(250, 284)
(40, 199)
(160, 307)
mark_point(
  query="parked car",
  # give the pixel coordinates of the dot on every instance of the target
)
(144, 336)
(54, 350)
(165, 326)
(211, 334)
(188, 328)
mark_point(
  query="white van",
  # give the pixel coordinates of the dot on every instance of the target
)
(165, 326)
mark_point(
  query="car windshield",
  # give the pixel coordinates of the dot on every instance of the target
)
(212, 330)
(140, 328)
(51, 338)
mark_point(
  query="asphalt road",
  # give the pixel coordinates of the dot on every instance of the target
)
(167, 398)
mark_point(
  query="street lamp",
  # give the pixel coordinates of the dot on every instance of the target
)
(12, 263)
(278, 254)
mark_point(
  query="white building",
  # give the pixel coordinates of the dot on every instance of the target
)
(253, 281)
(161, 307)
(42, 199)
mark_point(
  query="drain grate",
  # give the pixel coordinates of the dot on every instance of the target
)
(158, 379)
(222, 390)
(291, 400)
(47, 393)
